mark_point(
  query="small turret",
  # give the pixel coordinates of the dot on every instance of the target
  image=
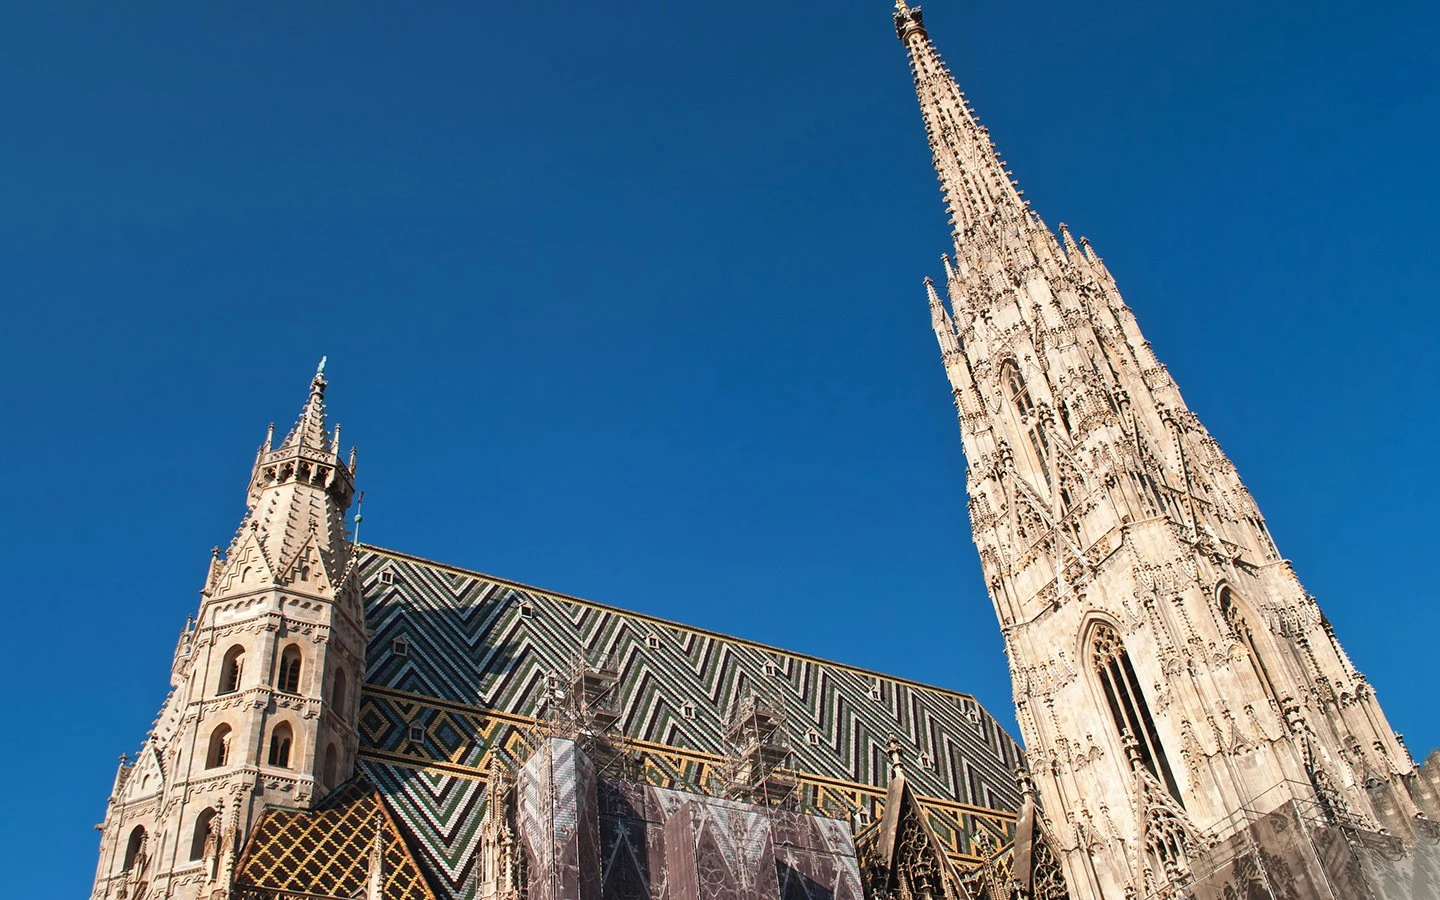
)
(298, 494)
(122, 772)
(309, 430)
(1072, 250)
(942, 323)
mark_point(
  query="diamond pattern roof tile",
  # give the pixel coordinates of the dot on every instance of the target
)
(326, 852)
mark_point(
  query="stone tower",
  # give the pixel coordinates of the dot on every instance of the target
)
(264, 686)
(1172, 678)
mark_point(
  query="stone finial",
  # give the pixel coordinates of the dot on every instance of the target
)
(1072, 249)
(951, 276)
(375, 874)
(1294, 715)
(309, 430)
(1132, 749)
(908, 20)
(897, 756)
(1023, 781)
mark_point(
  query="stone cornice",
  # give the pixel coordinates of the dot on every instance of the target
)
(256, 697)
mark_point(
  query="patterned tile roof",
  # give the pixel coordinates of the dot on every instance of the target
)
(459, 664)
(328, 852)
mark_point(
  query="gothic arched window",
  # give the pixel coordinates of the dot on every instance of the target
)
(1235, 620)
(135, 849)
(231, 669)
(1040, 443)
(338, 692)
(280, 740)
(289, 678)
(204, 829)
(1015, 390)
(218, 753)
(1019, 396)
(1127, 703)
(1167, 842)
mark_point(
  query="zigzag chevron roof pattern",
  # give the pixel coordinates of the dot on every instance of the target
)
(459, 664)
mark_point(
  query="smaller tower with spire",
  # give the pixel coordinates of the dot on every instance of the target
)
(264, 685)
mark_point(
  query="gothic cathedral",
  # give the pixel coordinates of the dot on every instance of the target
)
(348, 721)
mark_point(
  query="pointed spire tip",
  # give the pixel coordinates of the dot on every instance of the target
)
(310, 428)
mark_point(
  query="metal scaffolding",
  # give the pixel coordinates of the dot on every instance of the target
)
(1287, 842)
(582, 704)
(760, 751)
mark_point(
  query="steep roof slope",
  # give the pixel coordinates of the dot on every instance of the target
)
(460, 665)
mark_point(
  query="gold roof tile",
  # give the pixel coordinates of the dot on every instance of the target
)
(326, 852)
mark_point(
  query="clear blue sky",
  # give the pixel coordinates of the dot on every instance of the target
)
(624, 301)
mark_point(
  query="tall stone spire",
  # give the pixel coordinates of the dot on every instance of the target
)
(264, 698)
(298, 495)
(1169, 669)
(309, 430)
(978, 192)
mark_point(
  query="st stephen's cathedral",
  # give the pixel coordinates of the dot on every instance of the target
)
(349, 721)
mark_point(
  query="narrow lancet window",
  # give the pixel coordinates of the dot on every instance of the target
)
(202, 840)
(1040, 443)
(231, 669)
(339, 692)
(280, 740)
(289, 680)
(218, 753)
(1015, 389)
(1019, 396)
(1230, 609)
(135, 850)
(1127, 703)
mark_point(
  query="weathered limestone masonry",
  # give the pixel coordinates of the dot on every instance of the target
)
(264, 688)
(1173, 680)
